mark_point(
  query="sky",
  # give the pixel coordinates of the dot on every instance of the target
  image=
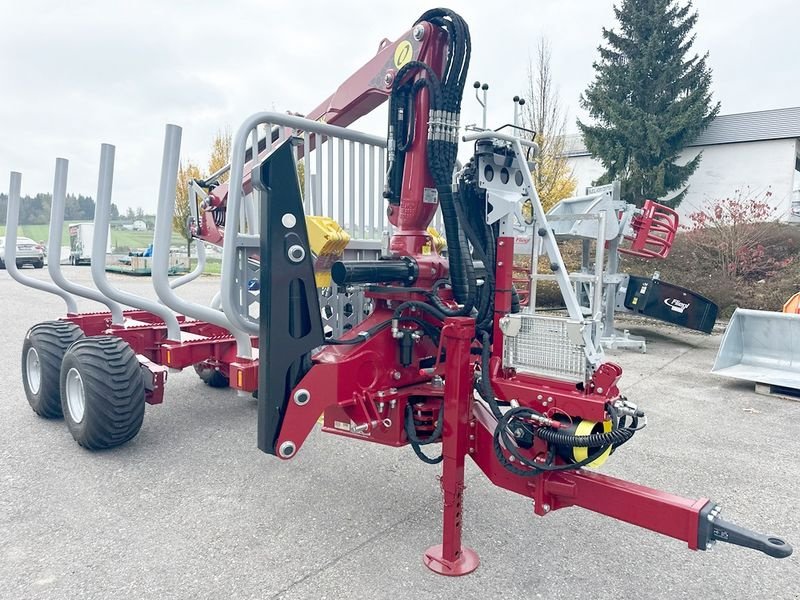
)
(77, 74)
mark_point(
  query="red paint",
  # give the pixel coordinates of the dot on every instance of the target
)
(655, 228)
(451, 558)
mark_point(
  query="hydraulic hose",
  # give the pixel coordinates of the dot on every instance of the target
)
(608, 438)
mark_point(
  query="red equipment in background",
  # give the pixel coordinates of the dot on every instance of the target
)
(654, 230)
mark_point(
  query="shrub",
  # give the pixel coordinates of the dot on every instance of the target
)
(736, 236)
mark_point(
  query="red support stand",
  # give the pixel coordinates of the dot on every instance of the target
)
(450, 557)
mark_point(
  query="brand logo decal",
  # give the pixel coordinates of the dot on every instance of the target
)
(676, 305)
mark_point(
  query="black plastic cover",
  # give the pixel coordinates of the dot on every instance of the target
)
(670, 303)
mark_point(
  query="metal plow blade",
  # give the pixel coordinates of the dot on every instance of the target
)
(761, 346)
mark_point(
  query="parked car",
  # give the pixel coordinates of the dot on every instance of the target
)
(28, 253)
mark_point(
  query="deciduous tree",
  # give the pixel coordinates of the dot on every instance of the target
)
(543, 113)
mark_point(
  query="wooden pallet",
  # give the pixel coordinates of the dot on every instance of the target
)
(778, 391)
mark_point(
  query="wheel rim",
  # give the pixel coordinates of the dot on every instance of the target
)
(33, 370)
(76, 399)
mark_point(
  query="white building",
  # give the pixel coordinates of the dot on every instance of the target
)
(759, 150)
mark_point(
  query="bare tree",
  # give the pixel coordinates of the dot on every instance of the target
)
(543, 113)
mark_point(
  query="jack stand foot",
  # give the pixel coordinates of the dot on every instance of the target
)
(463, 565)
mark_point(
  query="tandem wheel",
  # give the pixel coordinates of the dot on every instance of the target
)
(42, 353)
(211, 376)
(102, 392)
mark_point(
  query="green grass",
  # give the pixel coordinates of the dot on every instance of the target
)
(120, 239)
(213, 266)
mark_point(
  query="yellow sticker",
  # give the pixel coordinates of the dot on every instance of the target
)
(426, 249)
(403, 53)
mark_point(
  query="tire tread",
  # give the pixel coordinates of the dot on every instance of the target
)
(113, 388)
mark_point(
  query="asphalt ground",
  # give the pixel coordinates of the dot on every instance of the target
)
(191, 509)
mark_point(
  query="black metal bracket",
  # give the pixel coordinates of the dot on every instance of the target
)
(712, 529)
(290, 322)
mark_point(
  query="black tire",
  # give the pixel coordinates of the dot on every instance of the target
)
(2, 265)
(105, 369)
(49, 341)
(38, 264)
(210, 376)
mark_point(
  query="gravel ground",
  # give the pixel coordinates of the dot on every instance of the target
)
(191, 509)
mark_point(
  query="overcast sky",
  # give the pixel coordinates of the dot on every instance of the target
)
(79, 73)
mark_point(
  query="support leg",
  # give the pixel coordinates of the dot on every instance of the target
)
(450, 557)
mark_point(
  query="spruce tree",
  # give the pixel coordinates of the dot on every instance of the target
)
(650, 98)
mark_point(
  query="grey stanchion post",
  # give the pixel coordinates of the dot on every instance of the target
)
(54, 246)
(196, 272)
(161, 243)
(12, 222)
(100, 242)
(231, 288)
(201, 249)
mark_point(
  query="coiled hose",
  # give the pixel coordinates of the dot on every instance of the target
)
(615, 437)
(417, 442)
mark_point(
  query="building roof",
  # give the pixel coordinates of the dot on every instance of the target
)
(774, 124)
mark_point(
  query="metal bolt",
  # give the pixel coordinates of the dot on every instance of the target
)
(381, 394)
(392, 404)
(471, 436)
(501, 243)
(301, 397)
(710, 517)
(500, 263)
(396, 375)
(287, 449)
(471, 450)
(546, 508)
(387, 80)
(296, 253)
(599, 390)
(288, 220)
(419, 32)
(381, 406)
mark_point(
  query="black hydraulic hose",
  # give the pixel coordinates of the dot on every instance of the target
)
(485, 389)
(417, 442)
(515, 306)
(431, 310)
(411, 430)
(363, 336)
(501, 432)
(457, 249)
(560, 438)
(443, 147)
